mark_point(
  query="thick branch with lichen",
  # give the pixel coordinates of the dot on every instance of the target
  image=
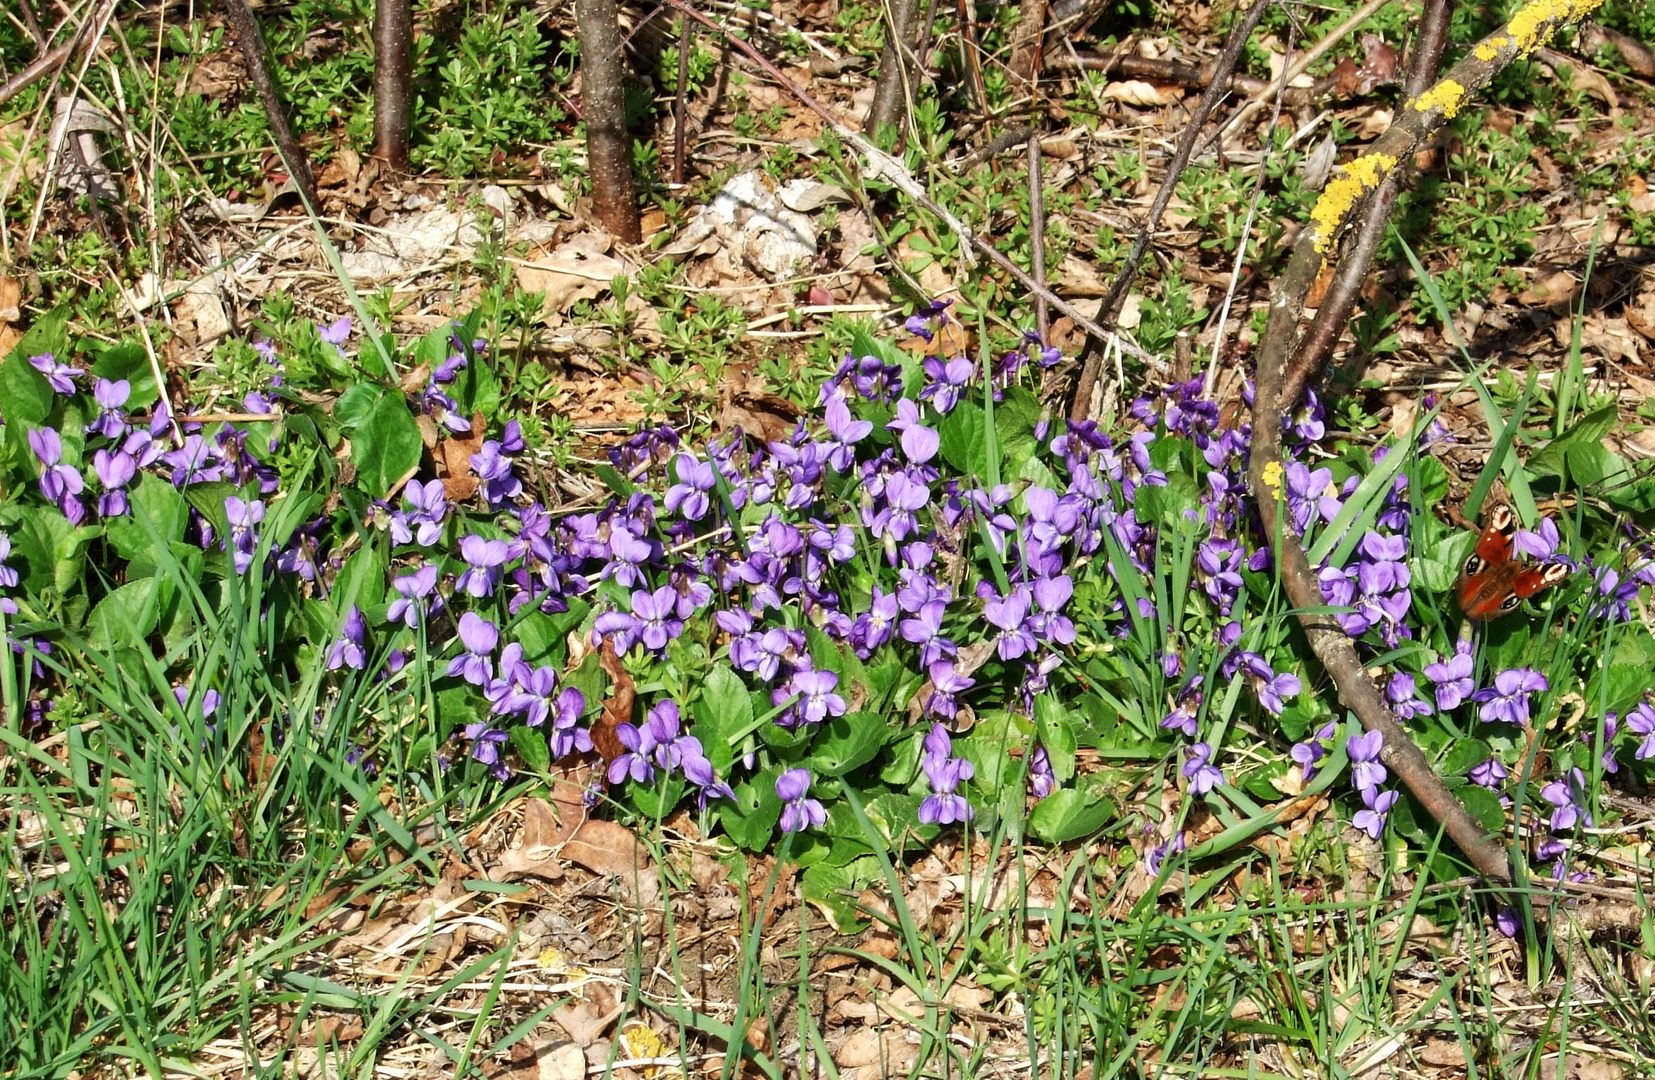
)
(1529, 29)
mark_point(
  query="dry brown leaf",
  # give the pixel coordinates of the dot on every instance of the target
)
(583, 1023)
(1556, 290)
(578, 269)
(604, 847)
(453, 456)
(11, 299)
(617, 707)
(544, 830)
(1142, 94)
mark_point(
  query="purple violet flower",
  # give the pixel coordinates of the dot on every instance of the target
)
(483, 560)
(1508, 699)
(944, 806)
(110, 396)
(689, 497)
(817, 701)
(1568, 794)
(1372, 819)
(412, 590)
(1453, 676)
(242, 517)
(348, 651)
(1401, 694)
(798, 812)
(1202, 774)
(61, 376)
(1366, 771)
(479, 637)
(1640, 721)
(114, 472)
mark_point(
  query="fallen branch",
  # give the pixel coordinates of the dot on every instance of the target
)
(1529, 29)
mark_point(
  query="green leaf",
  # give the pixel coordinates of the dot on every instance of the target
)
(1055, 729)
(357, 403)
(1463, 756)
(130, 613)
(26, 393)
(751, 818)
(1066, 815)
(1484, 806)
(530, 744)
(129, 362)
(386, 446)
(962, 440)
(725, 712)
(834, 889)
(1588, 430)
(155, 502)
(846, 742)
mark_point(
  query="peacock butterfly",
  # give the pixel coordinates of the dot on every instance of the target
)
(1495, 578)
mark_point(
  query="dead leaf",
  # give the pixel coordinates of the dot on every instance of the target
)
(453, 456)
(604, 847)
(578, 269)
(544, 831)
(617, 707)
(583, 1023)
(11, 299)
(1556, 290)
(1141, 94)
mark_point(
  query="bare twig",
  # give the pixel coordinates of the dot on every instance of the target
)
(1337, 305)
(393, 80)
(1037, 235)
(1302, 64)
(680, 107)
(1225, 64)
(608, 149)
(251, 41)
(43, 65)
(1528, 30)
(891, 92)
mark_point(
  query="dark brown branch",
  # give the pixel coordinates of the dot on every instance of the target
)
(393, 80)
(1175, 168)
(1037, 236)
(603, 103)
(42, 66)
(246, 29)
(680, 106)
(891, 92)
(1353, 267)
(1340, 202)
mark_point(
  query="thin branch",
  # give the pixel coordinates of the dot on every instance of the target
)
(1331, 318)
(36, 71)
(246, 28)
(1037, 236)
(1529, 29)
(680, 107)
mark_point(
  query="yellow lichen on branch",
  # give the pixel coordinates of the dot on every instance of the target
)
(1534, 24)
(1446, 95)
(1488, 50)
(1355, 177)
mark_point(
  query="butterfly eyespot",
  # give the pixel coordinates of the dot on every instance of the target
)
(1473, 565)
(1555, 573)
(1510, 604)
(1499, 519)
